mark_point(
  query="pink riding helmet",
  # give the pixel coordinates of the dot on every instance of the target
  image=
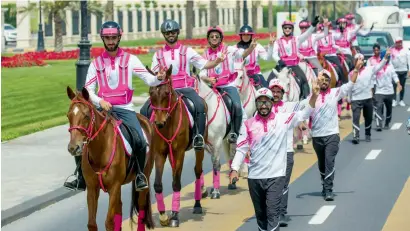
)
(287, 23)
(342, 20)
(304, 24)
(215, 28)
(349, 16)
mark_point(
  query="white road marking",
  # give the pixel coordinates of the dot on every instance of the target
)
(322, 214)
(396, 126)
(75, 110)
(373, 154)
(408, 109)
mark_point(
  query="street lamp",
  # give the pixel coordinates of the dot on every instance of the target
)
(290, 10)
(40, 38)
(84, 60)
(245, 13)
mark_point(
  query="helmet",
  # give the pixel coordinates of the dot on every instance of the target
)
(341, 20)
(110, 28)
(169, 25)
(304, 23)
(264, 92)
(349, 16)
(275, 83)
(246, 30)
(217, 29)
(287, 23)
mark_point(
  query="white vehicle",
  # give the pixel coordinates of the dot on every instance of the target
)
(406, 29)
(10, 34)
(386, 18)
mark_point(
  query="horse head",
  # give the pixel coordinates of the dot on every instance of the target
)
(242, 80)
(162, 98)
(81, 117)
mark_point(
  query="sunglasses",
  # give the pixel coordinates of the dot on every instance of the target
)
(170, 32)
(215, 36)
(261, 103)
(303, 27)
(287, 28)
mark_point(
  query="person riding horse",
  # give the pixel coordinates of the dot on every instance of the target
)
(308, 48)
(253, 69)
(224, 75)
(286, 53)
(180, 56)
(111, 73)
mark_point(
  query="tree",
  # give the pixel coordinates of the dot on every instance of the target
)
(109, 11)
(213, 13)
(255, 14)
(238, 16)
(190, 19)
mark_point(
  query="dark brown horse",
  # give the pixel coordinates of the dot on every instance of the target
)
(95, 136)
(172, 139)
(326, 65)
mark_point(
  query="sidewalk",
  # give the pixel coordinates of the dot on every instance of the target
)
(34, 168)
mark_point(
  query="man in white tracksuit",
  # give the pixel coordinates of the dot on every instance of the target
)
(400, 58)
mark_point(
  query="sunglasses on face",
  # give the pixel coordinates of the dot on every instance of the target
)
(304, 27)
(170, 33)
(215, 37)
(261, 103)
(287, 28)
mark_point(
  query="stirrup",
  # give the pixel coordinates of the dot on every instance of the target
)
(233, 137)
(75, 174)
(203, 142)
(135, 183)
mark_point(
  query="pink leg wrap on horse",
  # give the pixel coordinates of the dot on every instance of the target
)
(198, 193)
(202, 179)
(176, 199)
(141, 225)
(117, 222)
(160, 202)
(217, 183)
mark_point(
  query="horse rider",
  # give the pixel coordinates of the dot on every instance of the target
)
(224, 75)
(328, 47)
(361, 95)
(112, 73)
(286, 53)
(308, 48)
(279, 106)
(384, 93)
(324, 125)
(401, 62)
(351, 26)
(265, 136)
(180, 56)
(252, 67)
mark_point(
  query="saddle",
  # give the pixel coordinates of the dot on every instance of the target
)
(229, 105)
(136, 142)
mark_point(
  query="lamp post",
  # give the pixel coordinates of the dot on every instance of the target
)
(313, 10)
(84, 45)
(40, 38)
(334, 10)
(290, 10)
(245, 13)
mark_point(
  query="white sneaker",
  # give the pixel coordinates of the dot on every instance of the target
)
(402, 103)
(394, 103)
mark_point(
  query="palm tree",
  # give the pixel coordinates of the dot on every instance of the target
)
(189, 19)
(109, 10)
(270, 16)
(238, 16)
(213, 13)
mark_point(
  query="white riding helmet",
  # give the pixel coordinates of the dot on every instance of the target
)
(275, 83)
(264, 92)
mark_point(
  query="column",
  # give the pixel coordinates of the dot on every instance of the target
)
(169, 16)
(208, 18)
(152, 19)
(94, 34)
(176, 14)
(143, 21)
(226, 24)
(183, 18)
(69, 27)
(196, 16)
(231, 19)
(241, 15)
(220, 17)
(115, 14)
(134, 22)
(23, 29)
(260, 16)
(161, 15)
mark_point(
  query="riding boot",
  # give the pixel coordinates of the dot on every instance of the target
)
(237, 123)
(199, 130)
(79, 183)
(140, 179)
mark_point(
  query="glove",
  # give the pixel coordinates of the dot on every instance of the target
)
(315, 21)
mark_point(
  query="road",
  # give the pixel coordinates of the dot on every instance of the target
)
(368, 183)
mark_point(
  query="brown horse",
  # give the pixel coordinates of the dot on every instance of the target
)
(104, 163)
(326, 65)
(172, 139)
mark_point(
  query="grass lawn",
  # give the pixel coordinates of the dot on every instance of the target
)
(34, 98)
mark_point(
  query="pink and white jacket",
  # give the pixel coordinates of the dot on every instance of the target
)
(113, 76)
(266, 138)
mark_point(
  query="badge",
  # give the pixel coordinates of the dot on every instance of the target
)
(218, 69)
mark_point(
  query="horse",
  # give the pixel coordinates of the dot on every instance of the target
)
(172, 138)
(219, 120)
(97, 138)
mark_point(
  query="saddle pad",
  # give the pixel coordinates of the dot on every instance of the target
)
(127, 145)
(191, 118)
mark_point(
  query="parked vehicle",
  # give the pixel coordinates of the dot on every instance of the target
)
(10, 34)
(383, 38)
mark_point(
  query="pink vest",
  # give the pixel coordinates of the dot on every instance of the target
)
(351, 28)
(343, 42)
(223, 75)
(329, 49)
(181, 79)
(293, 59)
(120, 95)
(251, 68)
(307, 51)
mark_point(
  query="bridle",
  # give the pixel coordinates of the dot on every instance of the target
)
(169, 108)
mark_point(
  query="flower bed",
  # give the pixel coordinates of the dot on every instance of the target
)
(29, 59)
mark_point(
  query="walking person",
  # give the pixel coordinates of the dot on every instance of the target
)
(362, 95)
(401, 62)
(265, 136)
(324, 125)
(384, 93)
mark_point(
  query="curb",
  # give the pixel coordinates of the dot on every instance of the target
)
(37, 203)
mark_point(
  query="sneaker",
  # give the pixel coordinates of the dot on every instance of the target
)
(283, 220)
(394, 103)
(368, 138)
(329, 196)
(386, 127)
(356, 140)
(402, 103)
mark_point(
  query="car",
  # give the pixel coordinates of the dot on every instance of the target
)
(10, 34)
(383, 38)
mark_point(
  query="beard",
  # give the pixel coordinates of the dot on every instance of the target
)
(173, 40)
(111, 49)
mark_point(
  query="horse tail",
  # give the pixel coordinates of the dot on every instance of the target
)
(147, 220)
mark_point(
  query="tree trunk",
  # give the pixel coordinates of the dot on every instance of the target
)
(286, 5)
(109, 11)
(238, 15)
(58, 33)
(255, 15)
(190, 19)
(213, 13)
(270, 16)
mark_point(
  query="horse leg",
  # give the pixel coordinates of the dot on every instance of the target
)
(231, 149)
(159, 169)
(216, 164)
(92, 201)
(114, 216)
(176, 186)
(199, 157)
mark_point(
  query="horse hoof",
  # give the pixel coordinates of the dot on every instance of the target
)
(299, 147)
(204, 193)
(163, 219)
(197, 210)
(216, 195)
(231, 186)
(174, 223)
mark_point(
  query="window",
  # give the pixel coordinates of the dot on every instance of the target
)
(7, 27)
(406, 33)
(393, 18)
(404, 4)
(369, 41)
